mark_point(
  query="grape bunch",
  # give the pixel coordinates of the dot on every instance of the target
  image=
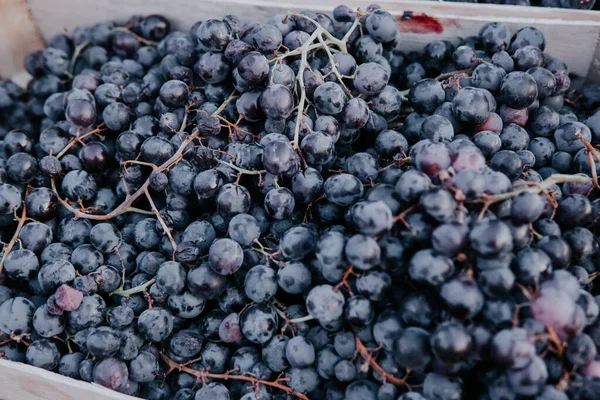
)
(302, 210)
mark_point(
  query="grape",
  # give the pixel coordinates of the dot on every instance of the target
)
(430, 267)
(324, 303)
(21, 264)
(553, 307)
(111, 373)
(260, 284)
(528, 381)
(225, 256)
(495, 36)
(299, 352)
(17, 315)
(155, 324)
(43, 354)
(258, 323)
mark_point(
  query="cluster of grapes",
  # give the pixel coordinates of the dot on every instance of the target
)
(298, 209)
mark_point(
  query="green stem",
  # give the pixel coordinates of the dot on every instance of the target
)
(133, 290)
(76, 55)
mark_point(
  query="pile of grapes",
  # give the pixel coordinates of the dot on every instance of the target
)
(300, 210)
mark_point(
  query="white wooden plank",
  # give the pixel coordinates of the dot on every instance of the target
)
(577, 47)
(24, 382)
(18, 36)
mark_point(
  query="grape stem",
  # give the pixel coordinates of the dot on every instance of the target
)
(487, 200)
(303, 51)
(137, 37)
(126, 205)
(241, 170)
(452, 73)
(300, 78)
(133, 290)
(161, 220)
(367, 355)
(592, 153)
(76, 54)
(22, 219)
(203, 375)
(78, 139)
(334, 67)
(283, 315)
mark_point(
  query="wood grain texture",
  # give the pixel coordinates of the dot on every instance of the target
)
(577, 47)
(18, 36)
(24, 382)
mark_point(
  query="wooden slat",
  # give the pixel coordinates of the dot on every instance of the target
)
(570, 34)
(18, 36)
(24, 382)
(594, 70)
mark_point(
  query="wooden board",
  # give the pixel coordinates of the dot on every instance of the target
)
(24, 382)
(18, 36)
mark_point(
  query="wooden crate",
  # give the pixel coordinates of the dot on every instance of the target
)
(25, 25)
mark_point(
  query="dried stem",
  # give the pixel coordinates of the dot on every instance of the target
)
(161, 220)
(487, 200)
(402, 216)
(282, 314)
(303, 51)
(15, 237)
(76, 55)
(334, 67)
(344, 282)
(241, 170)
(78, 139)
(300, 79)
(452, 73)
(126, 206)
(367, 355)
(203, 375)
(223, 105)
(138, 37)
(592, 153)
(133, 290)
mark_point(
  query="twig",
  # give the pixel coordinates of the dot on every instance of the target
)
(122, 209)
(76, 54)
(203, 375)
(299, 320)
(223, 105)
(78, 139)
(300, 80)
(592, 153)
(15, 237)
(365, 353)
(487, 200)
(161, 221)
(137, 37)
(334, 67)
(126, 205)
(452, 73)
